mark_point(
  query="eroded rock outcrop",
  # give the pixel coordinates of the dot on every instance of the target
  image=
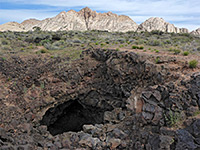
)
(30, 23)
(130, 101)
(12, 26)
(85, 19)
(196, 32)
(155, 23)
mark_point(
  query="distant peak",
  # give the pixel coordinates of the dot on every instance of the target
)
(86, 9)
(72, 11)
(62, 12)
(155, 18)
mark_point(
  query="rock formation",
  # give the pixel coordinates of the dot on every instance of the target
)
(196, 32)
(30, 23)
(85, 19)
(155, 23)
(108, 99)
(12, 26)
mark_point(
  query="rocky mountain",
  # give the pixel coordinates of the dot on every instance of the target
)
(12, 26)
(156, 23)
(196, 32)
(30, 23)
(87, 19)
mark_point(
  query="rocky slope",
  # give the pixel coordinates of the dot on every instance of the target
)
(196, 32)
(12, 26)
(86, 19)
(108, 99)
(160, 24)
(30, 23)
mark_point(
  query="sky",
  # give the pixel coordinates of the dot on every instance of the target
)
(181, 13)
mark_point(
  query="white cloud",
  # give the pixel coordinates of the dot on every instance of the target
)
(186, 12)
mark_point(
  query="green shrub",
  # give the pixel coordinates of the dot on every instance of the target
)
(102, 44)
(117, 49)
(141, 47)
(186, 53)
(154, 43)
(134, 47)
(157, 60)
(4, 42)
(43, 51)
(157, 51)
(173, 118)
(193, 63)
(176, 51)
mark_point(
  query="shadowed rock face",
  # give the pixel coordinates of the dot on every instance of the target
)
(71, 116)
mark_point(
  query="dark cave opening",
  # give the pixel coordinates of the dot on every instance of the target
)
(71, 116)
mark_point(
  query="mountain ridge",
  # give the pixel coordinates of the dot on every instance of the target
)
(87, 19)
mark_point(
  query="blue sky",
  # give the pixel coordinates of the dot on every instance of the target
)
(182, 13)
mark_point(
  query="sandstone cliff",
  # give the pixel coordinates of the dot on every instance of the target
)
(86, 19)
(196, 32)
(30, 23)
(155, 23)
(12, 26)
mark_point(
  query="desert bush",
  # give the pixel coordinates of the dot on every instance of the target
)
(186, 53)
(43, 51)
(154, 43)
(45, 41)
(193, 63)
(141, 47)
(76, 41)
(121, 40)
(4, 42)
(134, 47)
(172, 118)
(157, 32)
(157, 60)
(6, 47)
(176, 51)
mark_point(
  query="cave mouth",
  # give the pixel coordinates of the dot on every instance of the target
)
(71, 116)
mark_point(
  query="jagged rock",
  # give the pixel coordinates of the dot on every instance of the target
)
(165, 142)
(88, 140)
(185, 140)
(155, 23)
(88, 128)
(196, 32)
(114, 143)
(112, 75)
(85, 19)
